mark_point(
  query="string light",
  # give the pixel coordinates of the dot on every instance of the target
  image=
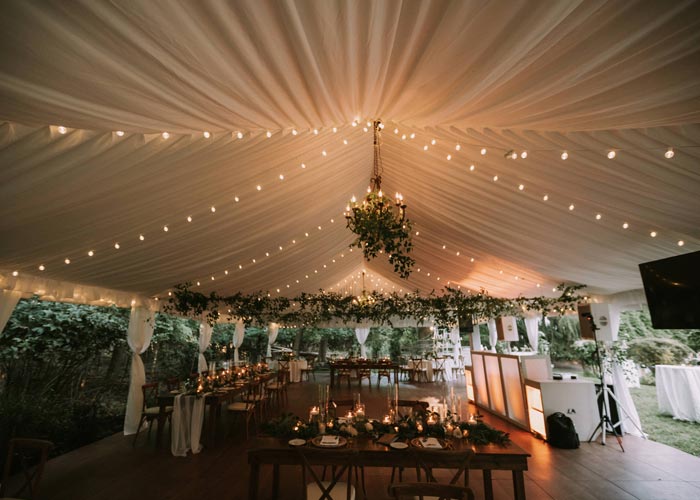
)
(91, 253)
(652, 234)
(141, 237)
(67, 261)
(472, 168)
(483, 151)
(165, 229)
(117, 246)
(239, 135)
(42, 267)
(521, 187)
(681, 243)
(625, 225)
(523, 155)
(61, 129)
(611, 154)
(213, 209)
(15, 273)
(571, 207)
(165, 135)
(564, 155)
(206, 135)
(545, 197)
(189, 218)
(669, 153)
(120, 133)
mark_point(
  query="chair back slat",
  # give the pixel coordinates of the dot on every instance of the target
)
(31, 454)
(427, 460)
(342, 462)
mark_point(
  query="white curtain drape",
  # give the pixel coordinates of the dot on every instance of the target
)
(532, 326)
(272, 331)
(476, 339)
(493, 333)
(205, 331)
(362, 334)
(238, 337)
(138, 337)
(630, 418)
(456, 343)
(8, 302)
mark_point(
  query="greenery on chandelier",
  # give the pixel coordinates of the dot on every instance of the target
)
(380, 309)
(380, 230)
(380, 223)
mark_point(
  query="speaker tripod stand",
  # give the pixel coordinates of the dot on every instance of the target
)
(605, 423)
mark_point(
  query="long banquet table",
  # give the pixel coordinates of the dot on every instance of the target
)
(276, 452)
(364, 364)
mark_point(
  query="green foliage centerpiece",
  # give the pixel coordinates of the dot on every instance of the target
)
(380, 223)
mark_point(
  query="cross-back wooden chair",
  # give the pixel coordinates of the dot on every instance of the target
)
(283, 366)
(172, 383)
(277, 389)
(429, 491)
(342, 463)
(31, 455)
(384, 371)
(343, 371)
(152, 410)
(406, 407)
(427, 460)
(439, 369)
(244, 408)
(420, 372)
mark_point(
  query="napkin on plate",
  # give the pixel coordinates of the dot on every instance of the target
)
(329, 440)
(431, 443)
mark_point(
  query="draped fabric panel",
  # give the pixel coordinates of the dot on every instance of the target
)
(8, 302)
(278, 87)
(533, 331)
(138, 336)
(238, 336)
(205, 331)
(456, 343)
(493, 334)
(362, 334)
(272, 331)
(476, 339)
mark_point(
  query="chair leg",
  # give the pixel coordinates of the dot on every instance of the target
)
(137, 431)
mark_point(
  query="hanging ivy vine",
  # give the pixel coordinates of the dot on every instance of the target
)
(323, 307)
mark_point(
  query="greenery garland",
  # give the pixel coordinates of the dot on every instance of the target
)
(311, 309)
(289, 426)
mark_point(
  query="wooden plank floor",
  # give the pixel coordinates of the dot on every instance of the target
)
(112, 469)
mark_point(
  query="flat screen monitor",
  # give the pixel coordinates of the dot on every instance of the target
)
(672, 287)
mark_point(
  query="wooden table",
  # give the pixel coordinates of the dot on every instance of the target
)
(357, 365)
(214, 400)
(276, 452)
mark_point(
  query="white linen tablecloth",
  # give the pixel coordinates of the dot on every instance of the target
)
(678, 391)
(187, 420)
(426, 364)
(295, 367)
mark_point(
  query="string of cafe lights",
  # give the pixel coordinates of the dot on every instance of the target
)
(611, 153)
(166, 227)
(654, 231)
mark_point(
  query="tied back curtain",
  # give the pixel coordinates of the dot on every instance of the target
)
(272, 331)
(493, 334)
(238, 336)
(456, 343)
(362, 334)
(138, 336)
(476, 338)
(532, 326)
(205, 331)
(8, 302)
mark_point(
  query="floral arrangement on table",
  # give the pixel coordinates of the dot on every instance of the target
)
(289, 426)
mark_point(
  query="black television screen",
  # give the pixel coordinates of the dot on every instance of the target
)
(672, 287)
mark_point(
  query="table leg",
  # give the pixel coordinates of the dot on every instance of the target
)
(161, 423)
(332, 376)
(488, 486)
(519, 485)
(275, 480)
(253, 481)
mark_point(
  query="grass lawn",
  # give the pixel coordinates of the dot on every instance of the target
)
(662, 428)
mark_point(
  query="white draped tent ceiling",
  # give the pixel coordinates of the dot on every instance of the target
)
(277, 87)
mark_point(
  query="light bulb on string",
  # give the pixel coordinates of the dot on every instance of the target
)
(669, 153)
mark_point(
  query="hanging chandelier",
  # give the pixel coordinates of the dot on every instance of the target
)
(380, 223)
(364, 299)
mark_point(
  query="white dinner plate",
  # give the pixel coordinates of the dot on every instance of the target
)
(297, 442)
(398, 445)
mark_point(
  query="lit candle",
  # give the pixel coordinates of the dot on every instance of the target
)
(386, 419)
(419, 427)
